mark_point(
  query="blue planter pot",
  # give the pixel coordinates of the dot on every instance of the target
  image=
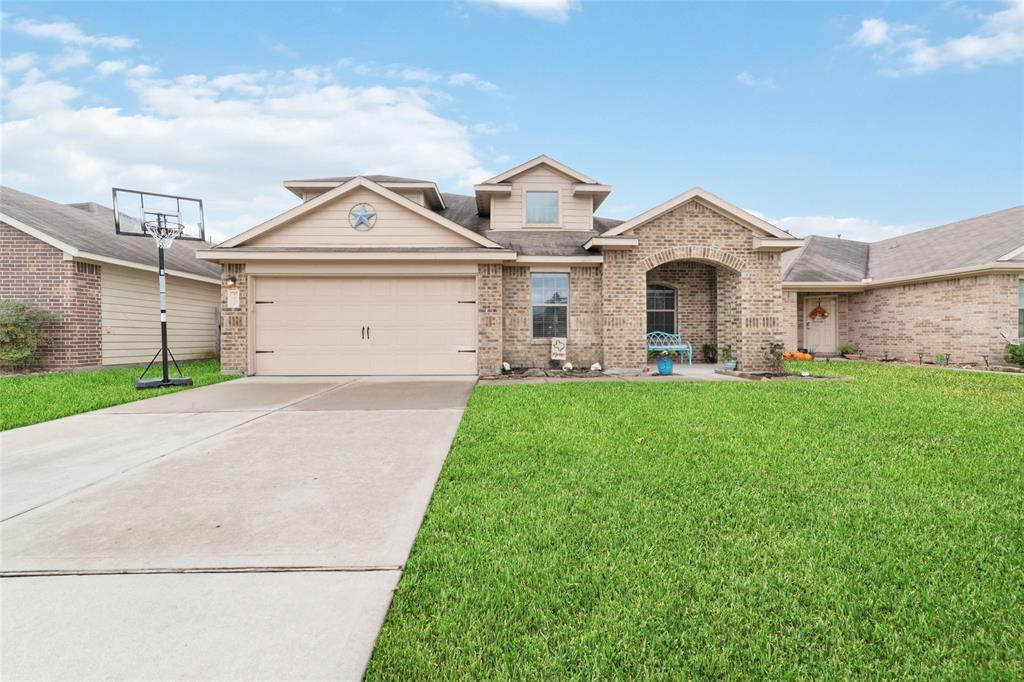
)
(730, 365)
(665, 365)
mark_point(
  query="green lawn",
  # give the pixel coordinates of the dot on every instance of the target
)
(830, 529)
(38, 398)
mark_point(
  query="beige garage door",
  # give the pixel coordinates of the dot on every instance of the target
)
(400, 325)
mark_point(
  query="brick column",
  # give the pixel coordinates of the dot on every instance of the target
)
(624, 307)
(234, 322)
(489, 315)
(761, 311)
(790, 320)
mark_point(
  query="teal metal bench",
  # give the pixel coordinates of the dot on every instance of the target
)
(659, 341)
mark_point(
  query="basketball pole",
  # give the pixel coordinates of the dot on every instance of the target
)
(164, 351)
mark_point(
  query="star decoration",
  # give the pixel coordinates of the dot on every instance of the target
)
(362, 215)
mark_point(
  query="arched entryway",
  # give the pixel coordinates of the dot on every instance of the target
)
(695, 292)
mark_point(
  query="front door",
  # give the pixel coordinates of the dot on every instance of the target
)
(820, 324)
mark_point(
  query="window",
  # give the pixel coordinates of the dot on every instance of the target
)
(661, 309)
(549, 294)
(1020, 312)
(541, 208)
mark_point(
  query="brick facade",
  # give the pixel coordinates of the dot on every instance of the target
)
(234, 322)
(958, 316)
(748, 284)
(33, 271)
(520, 349)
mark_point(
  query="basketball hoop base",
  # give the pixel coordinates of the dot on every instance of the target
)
(160, 383)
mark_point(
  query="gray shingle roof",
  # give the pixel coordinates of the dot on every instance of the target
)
(826, 259)
(89, 227)
(961, 244)
(966, 243)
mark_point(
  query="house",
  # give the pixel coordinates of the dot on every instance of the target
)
(387, 275)
(67, 259)
(949, 289)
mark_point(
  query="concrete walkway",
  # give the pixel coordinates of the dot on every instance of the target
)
(249, 530)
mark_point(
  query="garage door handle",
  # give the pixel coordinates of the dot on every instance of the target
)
(363, 333)
(467, 301)
(264, 351)
(367, 332)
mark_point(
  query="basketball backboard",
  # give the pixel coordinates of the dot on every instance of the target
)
(136, 212)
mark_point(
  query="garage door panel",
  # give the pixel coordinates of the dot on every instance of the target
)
(416, 325)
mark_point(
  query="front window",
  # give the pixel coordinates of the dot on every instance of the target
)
(549, 295)
(661, 309)
(541, 208)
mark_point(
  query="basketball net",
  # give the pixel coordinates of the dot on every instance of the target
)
(164, 230)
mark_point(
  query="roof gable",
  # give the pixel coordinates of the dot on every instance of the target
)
(746, 219)
(457, 233)
(538, 161)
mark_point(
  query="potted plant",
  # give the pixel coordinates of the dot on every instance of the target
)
(847, 349)
(665, 363)
(710, 353)
(727, 358)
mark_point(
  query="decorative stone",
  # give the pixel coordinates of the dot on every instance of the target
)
(596, 367)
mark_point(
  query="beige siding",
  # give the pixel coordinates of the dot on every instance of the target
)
(574, 213)
(328, 225)
(130, 314)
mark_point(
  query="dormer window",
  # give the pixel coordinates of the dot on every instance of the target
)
(542, 208)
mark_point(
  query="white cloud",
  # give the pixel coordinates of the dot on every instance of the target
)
(19, 62)
(860, 229)
(472, 80)
(110, 66)
(549, 10)
(999, 39)
(872, 32)
(216, 138)
(69, 34)
(748, 79)
(412, 74)
(485, 129)
(33, 96)
(69, 58)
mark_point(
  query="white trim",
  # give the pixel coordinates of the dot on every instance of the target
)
(341, 190)
(244, 255)
(746, 219)
(72, 253)
(1013, 254)
(613, 242)
(537, 161)
(825, 286)
(775, 244)
(493, 189)
(560, 259)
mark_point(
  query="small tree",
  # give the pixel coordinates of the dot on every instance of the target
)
(23, 331)
(1014, 353)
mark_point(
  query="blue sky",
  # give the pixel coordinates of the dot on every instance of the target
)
(868, 119)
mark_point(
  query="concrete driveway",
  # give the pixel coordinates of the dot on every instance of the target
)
(251, 529)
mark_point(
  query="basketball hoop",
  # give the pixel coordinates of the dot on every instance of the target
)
(165, 229)
(164, 217)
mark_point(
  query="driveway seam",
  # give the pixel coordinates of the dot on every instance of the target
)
(187, 571)
(165, 454)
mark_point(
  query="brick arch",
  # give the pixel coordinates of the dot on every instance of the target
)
(706, 254)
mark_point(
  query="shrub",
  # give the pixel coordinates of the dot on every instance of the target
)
(727, 353)
(847, 348)
(23, 331)
(710, 353)
(773, 353)
(1014, 353)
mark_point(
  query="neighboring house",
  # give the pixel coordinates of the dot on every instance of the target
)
(948, 289)
(67, 259)
(386, 275)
